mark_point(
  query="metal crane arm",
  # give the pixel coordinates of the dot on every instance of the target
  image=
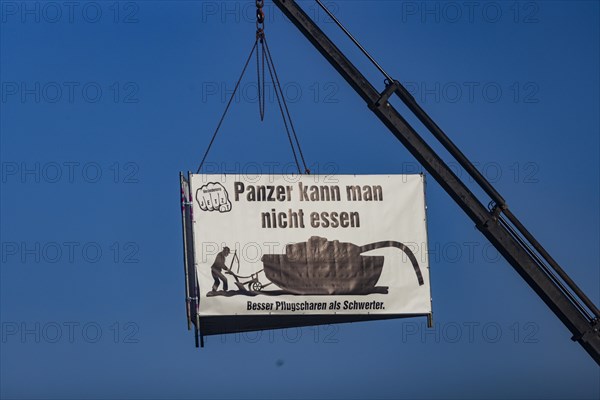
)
(508, 236)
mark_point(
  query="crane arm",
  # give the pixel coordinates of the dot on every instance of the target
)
(498, 225)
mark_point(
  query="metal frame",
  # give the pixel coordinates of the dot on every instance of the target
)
(185, 251)
(194, 295)
(584, 324)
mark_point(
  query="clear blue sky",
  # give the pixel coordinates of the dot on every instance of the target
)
(103, 103)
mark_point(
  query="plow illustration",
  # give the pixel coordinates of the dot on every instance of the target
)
(249, 283)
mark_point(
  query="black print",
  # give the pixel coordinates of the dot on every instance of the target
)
(315, 267)
(213, 197)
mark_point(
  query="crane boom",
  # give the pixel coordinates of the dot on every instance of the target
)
(498, 224)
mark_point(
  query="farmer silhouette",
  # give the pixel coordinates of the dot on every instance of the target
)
(217, 267)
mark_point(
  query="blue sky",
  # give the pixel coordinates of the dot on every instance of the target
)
(103, 103)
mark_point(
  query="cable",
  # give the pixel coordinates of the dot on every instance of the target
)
(546, 269)
(260, 83)
(364, 51)
(270, 60)
(262, 58)
(283, 115)
(227, 107)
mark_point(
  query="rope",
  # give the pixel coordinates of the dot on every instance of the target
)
(260, 83)
(287, 130)
(263, 58)
(227, 107)
(270, 60)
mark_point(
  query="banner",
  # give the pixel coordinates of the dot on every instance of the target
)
(310, 245)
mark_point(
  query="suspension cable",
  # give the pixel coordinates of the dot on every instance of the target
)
(260, 80)
(287, 130)
(276, 81)
(228, 104)
(364, 51)
(263, 56)
(548, 270)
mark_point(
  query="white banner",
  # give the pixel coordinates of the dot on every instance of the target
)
(311, 244)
